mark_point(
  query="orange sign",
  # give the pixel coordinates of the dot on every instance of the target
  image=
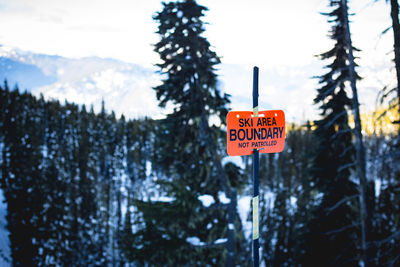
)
(246, 132)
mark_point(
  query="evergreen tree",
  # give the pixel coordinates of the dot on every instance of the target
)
(365, 196)
(188, 147)
(107, 183)
(54, 186)
(394, 14)
(238, 249)
(332, 228)
(21, 176)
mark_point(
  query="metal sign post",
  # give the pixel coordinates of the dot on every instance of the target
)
(254, 132)
(256, 244)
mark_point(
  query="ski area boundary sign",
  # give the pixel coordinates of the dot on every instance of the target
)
(246, 132)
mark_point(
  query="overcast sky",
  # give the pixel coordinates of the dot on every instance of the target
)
(250, 32)
(278, 35)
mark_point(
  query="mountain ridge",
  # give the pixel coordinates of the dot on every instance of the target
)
(125, 87)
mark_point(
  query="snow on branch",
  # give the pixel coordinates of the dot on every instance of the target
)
(195, 241)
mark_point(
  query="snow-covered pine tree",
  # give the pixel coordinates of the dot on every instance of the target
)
(366, 190)
(183, 231)
(21, 175)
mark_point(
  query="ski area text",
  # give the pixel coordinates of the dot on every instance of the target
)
(246, 132)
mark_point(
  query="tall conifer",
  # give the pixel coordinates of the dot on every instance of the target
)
(333, 225)
(187, 145)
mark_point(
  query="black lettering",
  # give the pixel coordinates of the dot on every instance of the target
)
(238, 134)
(257, 133)
(263, 133)
(273, 121)
(232, 135)
(280, 131)
(275, 132)
(241, 122)
(269, 143)
(243, 145)
(247, 132)
(269, 134)
(264, 120)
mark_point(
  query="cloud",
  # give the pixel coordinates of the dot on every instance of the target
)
(118, 29)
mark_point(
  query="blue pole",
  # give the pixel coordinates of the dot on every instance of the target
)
(256, 244)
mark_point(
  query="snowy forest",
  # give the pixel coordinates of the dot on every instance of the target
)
(86, 188)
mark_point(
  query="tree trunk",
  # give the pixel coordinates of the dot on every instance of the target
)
(394, 13)
(230, 244)
(223, 179)
(360, 151)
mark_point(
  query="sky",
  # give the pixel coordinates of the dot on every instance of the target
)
(281, 37)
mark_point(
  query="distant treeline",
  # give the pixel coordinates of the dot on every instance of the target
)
(66, 173)
(72, 179)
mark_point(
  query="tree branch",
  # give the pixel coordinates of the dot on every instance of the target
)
(342, 228)
(348, 165)
(329, 210)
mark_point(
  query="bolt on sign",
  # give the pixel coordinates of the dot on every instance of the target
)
(246, 132)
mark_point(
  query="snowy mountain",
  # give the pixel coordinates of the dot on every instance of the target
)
(125, 87)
